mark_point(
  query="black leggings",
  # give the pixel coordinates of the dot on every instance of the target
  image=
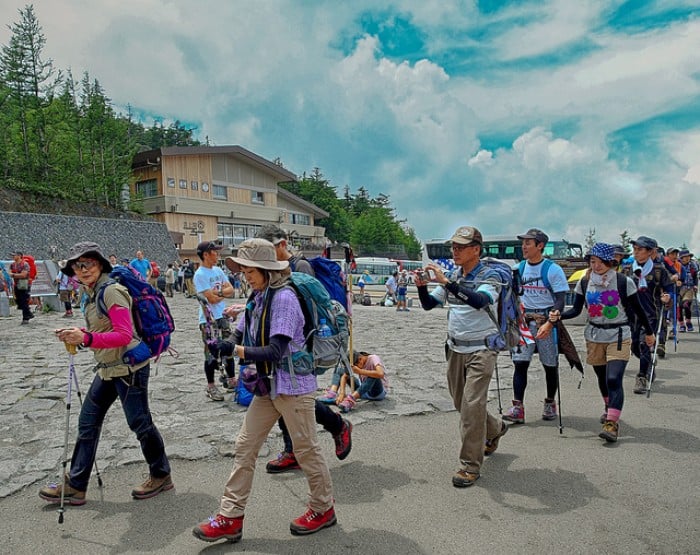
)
(551, 376)
(610, 382)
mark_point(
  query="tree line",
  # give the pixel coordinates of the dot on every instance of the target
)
(62, 138)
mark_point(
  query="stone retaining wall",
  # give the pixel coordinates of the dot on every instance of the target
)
(50, 236)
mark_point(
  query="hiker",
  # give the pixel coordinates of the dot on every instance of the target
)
(141, 265)
(470, 364)
(370, 382)
(109, 337)
(66, 289)
(688, 283)
(544, 288)
(169, 280)
(654, 287)
(272, 328)
(332, 422)
(401, 290)
(608, 296)
(391, 285)
(19, 272)
(213, 287)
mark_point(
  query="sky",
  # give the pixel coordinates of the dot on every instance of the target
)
(567, 115)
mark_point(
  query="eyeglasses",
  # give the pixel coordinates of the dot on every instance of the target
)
(87, 265)
(457, 247)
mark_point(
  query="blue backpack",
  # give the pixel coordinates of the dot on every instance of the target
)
(331, 275)
(546, 264)
(316, 304)
(152, 319)
(509, 312)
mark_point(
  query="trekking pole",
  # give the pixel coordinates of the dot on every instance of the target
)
(654, 355)
(675, 319)
(555, 339)
(498, 389)
(72, 349)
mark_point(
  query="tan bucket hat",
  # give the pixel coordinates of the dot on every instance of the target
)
(256, 253)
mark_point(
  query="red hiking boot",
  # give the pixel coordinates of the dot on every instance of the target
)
(311, 522)
(284, 462)
(219, 527)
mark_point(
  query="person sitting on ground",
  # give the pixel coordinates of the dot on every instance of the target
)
(109, 336)
(370, 382)
(608, 333)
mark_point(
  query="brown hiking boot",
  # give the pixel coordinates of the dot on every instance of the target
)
(152, 487)
(464, 479)
(71, 496)
(610, 431)
(492, 444)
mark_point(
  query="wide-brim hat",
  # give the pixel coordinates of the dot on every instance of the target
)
(684, 252)
(256, 253)
(645, 242)
(86, 248)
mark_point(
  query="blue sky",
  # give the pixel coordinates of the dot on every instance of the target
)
(564, 115)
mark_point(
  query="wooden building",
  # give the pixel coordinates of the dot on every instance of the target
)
(221, 193)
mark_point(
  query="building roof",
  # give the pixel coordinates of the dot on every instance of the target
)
(320, 212)
(152, 157)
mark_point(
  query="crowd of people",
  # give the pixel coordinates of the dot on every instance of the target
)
(634, 303)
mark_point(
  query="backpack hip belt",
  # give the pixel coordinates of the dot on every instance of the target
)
(609, 326)
(462, 343)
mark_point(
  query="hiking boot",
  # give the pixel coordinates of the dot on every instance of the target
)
(343, 440)
(219, 527)
(464, 479)
(661, 350)
(214, 394)
(347, 404)
(550, 410)
(228, 384)
(311, 522)
(67, 315)
(689, 326)
(284, 462)
(52, 493)
(328, 397)
(640, 385)
(610, 431)
(492, 444)
(516, 413)
(152, 487)
(681, 328)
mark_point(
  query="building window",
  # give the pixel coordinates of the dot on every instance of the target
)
(258, 197)
(171, 182)
(148, 188)
(194, 185)
(301, 219)
(219, 192)
(225, 234)
(183, 184)
(205, 186)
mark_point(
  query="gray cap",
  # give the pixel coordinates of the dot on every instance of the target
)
(537, 234)
(645, 242)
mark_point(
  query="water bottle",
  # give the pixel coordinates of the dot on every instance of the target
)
(324, 330)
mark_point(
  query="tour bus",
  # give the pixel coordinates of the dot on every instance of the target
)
(376, 270)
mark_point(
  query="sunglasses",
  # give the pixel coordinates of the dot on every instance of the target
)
(87, 265)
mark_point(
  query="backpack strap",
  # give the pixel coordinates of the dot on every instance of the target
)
(544, 272)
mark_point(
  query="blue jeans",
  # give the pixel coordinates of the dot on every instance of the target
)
(132, 391)
(372, 389)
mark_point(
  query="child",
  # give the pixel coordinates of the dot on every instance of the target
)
(370, 383)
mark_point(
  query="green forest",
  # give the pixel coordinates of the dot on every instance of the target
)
(61, 137)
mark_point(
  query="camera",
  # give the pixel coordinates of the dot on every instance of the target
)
(425, 275)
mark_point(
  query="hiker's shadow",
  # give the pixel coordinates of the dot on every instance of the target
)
(368, 541)
(674, 440)
(358, 482)
(555, 490)
(152, 524)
